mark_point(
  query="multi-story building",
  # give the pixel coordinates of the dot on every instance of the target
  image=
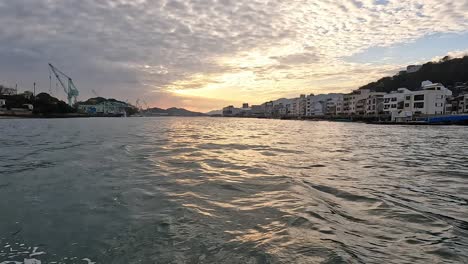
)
(354, 103)
(231, 111)
(374, 104)
(334, 104)
(299, 106)
(258, 110)
(394, 100)
(317, 104)
(339, 106)
(458, 104)
(430, 100)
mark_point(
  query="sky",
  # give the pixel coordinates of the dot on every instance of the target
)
(206, 54)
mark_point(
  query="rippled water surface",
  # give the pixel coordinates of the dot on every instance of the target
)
(214, 190)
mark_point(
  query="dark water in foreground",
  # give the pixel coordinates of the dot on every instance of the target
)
(204, 190)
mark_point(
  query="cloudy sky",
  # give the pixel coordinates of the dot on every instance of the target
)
(204, 54)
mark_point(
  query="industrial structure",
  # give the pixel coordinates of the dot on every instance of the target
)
(70, 89)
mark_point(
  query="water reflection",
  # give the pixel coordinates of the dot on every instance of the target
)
(202, 190)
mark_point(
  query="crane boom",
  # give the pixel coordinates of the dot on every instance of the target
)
(70, 89)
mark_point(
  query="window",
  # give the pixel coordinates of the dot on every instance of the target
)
(394, 99)
(419, 97)
(408, 97)
(407, 105)
(418, 105)
(393, 106)
(387, 100)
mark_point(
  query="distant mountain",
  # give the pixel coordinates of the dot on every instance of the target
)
(155, 111)
(214, 112)
(450, 72)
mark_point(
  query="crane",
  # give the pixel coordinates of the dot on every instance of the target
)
(70, 89)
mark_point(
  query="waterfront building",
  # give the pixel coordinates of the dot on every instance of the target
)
(394, 100)
(334, 104)
(404, 104)
(299, 106)
(258, 110)
(103, 108)
(317, 104)
(374, 104)
(458, 104)
(268, 108)
(2, 103)
(339, 106)
(354, 103)
(231, 111)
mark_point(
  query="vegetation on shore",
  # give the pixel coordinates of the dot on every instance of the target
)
(447, 71)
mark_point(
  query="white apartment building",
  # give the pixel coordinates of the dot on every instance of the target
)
(334, 105)
(394, 100)
(404, 104)
(339, 106)
(317, 104)
(374, 104)
(355, 101)
(299, 106)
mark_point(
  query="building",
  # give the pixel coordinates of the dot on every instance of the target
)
(354, 103)
(339, 106)
(404, 105)
(430, 100)
(299, 106)
(2, 103)
(394, 100)
(103, 108)
(231, 111)
(458, 105)
(334, 104)
(258, 110)
(374, 104)
(322, 104)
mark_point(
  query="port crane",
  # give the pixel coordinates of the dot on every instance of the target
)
(70, 89)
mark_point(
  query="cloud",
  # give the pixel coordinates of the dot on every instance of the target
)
(452, 54)
(241, 50)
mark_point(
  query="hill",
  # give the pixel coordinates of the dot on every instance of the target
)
(170, 112)
(98, 100)
(447, 71)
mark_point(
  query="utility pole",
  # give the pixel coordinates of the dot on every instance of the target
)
(34, 93)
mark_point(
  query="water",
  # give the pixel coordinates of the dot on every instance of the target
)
(214, 190)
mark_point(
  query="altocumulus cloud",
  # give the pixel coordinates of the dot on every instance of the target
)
(205, 53)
